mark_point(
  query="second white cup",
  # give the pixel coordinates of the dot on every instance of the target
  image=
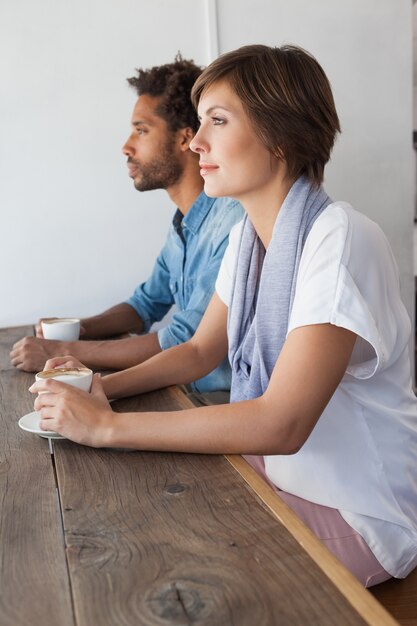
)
(61, 328)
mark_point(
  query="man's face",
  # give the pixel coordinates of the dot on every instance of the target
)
(153, 157)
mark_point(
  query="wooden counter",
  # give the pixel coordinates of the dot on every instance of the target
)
(114, 537)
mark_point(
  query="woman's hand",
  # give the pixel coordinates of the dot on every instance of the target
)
(83, 417)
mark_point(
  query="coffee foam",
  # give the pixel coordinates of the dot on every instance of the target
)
(61, 320)
(64, 371)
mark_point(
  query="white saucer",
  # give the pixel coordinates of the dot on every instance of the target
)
(30, 423)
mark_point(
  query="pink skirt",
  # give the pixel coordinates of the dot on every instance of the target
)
(332, 530)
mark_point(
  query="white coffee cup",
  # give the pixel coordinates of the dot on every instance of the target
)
(61, 328)
(80, 377)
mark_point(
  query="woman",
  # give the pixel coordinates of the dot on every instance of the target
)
(321, 396)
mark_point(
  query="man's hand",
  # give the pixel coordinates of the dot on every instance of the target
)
(31, 353)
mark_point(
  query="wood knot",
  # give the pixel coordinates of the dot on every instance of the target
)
(174, 490)
(179, 601)
(216, 592)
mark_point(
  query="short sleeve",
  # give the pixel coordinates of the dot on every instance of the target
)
(347, 277)
(224, 282)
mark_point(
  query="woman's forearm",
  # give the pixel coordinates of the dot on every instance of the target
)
(241, 428)
(178, 365)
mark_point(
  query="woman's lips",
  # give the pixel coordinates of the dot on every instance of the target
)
(207, 168)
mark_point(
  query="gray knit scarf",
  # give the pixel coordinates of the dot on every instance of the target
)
(264, 288)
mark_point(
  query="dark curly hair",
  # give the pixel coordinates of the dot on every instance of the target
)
(171, 82)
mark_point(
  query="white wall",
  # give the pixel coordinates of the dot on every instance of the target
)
(75, 236)
(365, 47)
(65, 110)
(414, 26)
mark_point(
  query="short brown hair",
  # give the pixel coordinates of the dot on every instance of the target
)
(171, 83)
(288, 99)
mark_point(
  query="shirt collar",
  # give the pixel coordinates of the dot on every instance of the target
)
(177, 223)
(197, 213)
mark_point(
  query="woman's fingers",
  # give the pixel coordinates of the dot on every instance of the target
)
(62, 361)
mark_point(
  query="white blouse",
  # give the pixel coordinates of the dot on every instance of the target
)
(361, 457)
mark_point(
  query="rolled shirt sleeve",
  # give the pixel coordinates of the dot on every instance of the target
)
(185, 273)
(153, 299)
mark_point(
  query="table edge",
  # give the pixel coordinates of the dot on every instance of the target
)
(362, 600)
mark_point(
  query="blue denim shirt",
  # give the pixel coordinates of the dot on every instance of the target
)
(185, 273)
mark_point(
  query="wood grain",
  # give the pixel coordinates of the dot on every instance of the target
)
(396, 599)
(371, 610)
(34, 579)
(152, 538)
(158, 538)
(400, 598)
(8, 337)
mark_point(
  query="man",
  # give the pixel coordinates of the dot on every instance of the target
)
(158, 157)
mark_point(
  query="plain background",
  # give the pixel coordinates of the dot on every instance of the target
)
(76, 237)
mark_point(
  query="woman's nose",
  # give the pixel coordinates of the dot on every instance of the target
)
(197, 144)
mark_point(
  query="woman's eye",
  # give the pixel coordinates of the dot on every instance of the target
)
(217, 121)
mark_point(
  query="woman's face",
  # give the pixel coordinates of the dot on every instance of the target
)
(233, 160)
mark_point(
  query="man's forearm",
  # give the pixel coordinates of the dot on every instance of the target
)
(119, 319)
(31, 353)
(115, 354)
